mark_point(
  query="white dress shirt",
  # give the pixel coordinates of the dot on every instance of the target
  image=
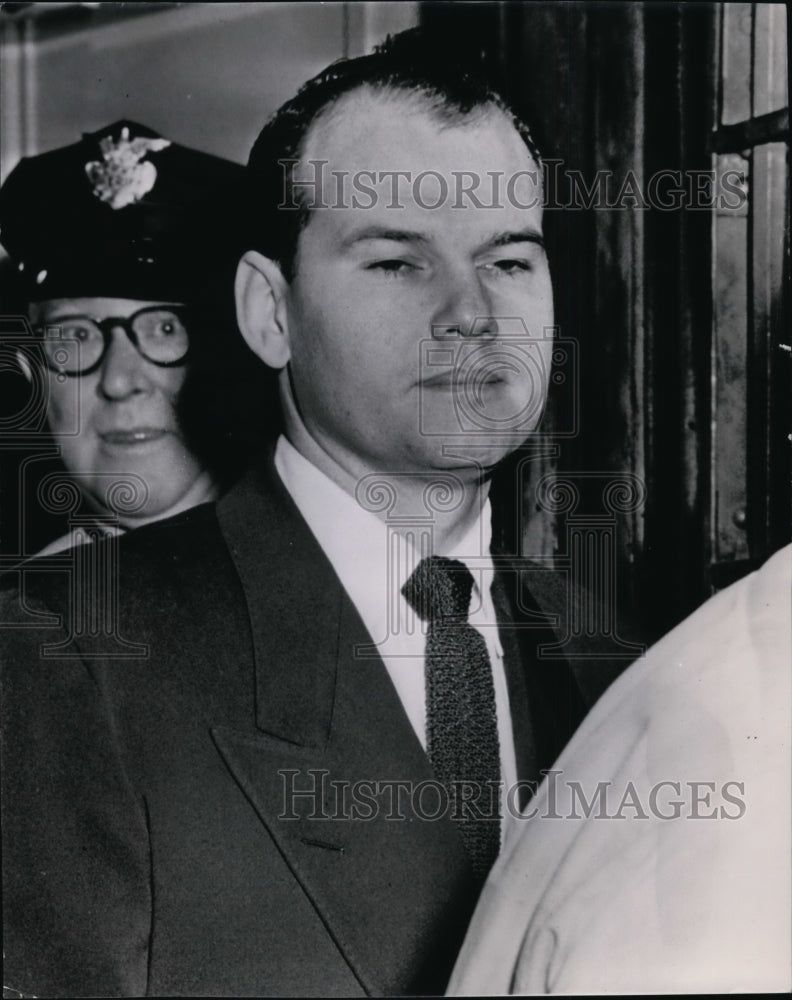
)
(373, 562)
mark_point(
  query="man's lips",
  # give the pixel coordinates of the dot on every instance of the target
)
(462, 380)
(133, 436)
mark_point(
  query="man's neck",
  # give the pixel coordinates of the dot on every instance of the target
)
(450, 501)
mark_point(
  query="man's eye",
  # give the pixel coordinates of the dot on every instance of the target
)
(510, 265)
(390, 266)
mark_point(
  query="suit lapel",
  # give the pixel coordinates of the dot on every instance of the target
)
(293, 602)
(332, 763)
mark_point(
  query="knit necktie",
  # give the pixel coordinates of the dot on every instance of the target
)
(461, 720)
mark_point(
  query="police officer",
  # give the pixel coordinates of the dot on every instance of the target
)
(123, 245)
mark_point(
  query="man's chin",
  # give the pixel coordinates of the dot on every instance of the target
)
(475, 453)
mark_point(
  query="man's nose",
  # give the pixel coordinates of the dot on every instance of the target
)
(123, 372)
(466, 307)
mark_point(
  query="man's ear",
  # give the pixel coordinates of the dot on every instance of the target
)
(260, 290)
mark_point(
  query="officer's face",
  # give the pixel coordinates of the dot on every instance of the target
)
(123, 414)
(418, 333)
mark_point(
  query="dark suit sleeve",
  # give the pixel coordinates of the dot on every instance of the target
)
(76, 895)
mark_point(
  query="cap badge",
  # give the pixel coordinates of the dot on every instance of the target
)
(121, 178)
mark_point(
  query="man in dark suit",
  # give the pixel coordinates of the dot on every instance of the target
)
(277, 751)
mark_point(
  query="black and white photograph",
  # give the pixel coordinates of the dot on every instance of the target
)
(395, 498)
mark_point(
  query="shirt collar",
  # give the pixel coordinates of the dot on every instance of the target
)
(357, 542)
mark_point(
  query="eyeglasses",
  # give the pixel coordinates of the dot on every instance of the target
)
(76, 345)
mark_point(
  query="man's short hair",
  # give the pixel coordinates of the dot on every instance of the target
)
(407, 63)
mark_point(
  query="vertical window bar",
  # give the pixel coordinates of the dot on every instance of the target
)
(717, 116)
(730, 343)
(768, 239)
(770, 58)
(736, 63)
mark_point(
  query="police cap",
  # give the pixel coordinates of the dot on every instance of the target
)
(123, 213)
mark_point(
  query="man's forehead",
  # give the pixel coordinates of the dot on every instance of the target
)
(390, 129)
